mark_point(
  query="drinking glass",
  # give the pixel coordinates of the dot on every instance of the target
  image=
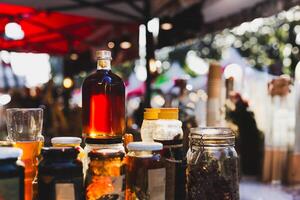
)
(24, 127)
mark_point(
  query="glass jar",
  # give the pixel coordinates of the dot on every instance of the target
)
(148, 125)
(145, 172)
(212, 165)
(11, 174)
(95, 144)
(105, 177)
(69, 142)
(60, 174)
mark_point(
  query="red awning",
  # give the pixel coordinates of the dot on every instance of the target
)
(58, 33)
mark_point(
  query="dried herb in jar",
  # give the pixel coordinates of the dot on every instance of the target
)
(212, 169)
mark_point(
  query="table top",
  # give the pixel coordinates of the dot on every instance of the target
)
(255, 190)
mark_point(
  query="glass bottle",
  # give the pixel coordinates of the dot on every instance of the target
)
(60, 174)
(103, 101)
(212, 165)
(11, 174)
(105, 177)
(145, 172)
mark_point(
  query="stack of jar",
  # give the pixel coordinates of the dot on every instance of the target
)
(162, 125)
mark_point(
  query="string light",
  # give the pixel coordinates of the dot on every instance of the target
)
(67, 83)
(111, 45)
(125, 45)
(166, 26)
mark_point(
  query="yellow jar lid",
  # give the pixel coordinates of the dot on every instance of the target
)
(151, 113)
(152, 109)
(168, 113)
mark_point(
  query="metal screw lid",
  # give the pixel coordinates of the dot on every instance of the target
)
(144, 146)
(66, 140)
(10, 152)
(103, 54)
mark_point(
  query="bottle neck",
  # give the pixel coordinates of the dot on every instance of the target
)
(103, 64)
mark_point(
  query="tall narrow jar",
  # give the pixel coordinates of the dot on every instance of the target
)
(212, 165)
(103, 101)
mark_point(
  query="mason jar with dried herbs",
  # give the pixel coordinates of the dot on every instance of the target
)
(212, 165)
(105, 177)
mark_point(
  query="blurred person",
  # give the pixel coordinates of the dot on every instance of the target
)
(249, 143)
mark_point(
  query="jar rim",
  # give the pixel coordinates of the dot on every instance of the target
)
(212, 133)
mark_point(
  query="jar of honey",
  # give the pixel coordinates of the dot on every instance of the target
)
(145, 172)
(96, 144)
(105, 177)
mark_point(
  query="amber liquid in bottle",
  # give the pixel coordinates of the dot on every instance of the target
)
(103, 102)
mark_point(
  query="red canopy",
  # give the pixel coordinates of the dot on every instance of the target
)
(58, 33)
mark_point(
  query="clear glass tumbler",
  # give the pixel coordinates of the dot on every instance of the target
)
(24, 127)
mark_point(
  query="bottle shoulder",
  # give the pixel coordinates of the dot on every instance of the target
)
(106, 76)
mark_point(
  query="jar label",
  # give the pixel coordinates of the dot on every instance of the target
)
(64, 191)
(9, 189)
(157, 183)
(118, 183)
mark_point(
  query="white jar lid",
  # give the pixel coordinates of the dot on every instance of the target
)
(10, 152)
(66, 140)
(144, 146)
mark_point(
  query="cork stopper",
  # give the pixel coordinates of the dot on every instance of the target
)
(103, 55)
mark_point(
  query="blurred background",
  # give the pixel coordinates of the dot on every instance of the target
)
(163, 50)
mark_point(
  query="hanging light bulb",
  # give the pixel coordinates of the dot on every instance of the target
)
(166, 26)
(125, 44)
(111, 44)
(14, 31)
(68, 83)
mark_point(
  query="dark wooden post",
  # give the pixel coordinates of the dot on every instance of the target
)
(149, 52)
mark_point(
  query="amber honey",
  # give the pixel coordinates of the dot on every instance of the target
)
(105, 176)
(145, 172)
(31, 151)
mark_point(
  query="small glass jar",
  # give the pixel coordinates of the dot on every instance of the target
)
(105, 177)
(11, 174)
(69, 142)
(148, 125)
(212, 165)
(95, 144)
(145, 172)
(60, 174)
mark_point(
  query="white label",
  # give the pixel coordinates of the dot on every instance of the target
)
(64, 191)
(157, 183)
(117, 182)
